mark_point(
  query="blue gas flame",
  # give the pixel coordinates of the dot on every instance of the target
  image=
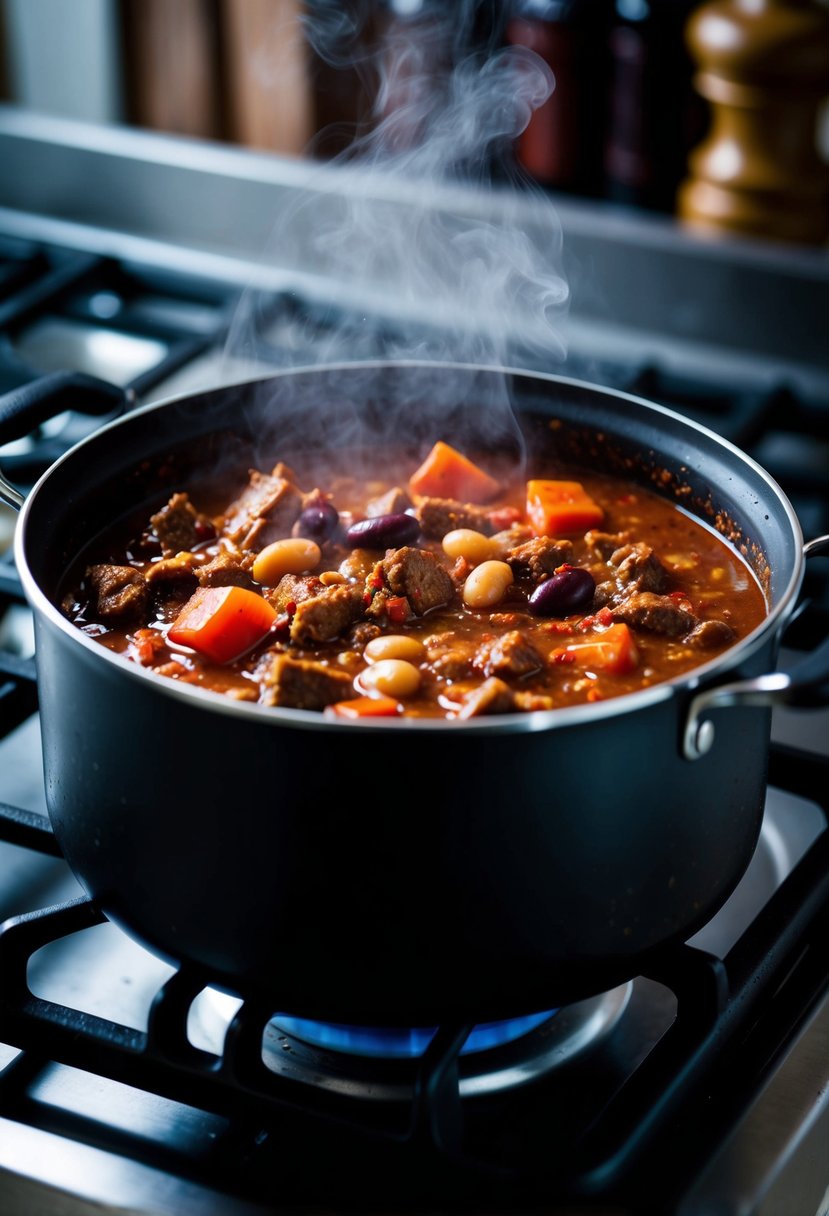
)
(391, 1042)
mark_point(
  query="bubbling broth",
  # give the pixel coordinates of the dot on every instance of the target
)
(441, 587)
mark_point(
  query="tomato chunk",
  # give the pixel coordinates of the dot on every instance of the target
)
(447, 473)
(613, 651)
(222, 623)
(397, 609)
(366, 707)
(557, 508)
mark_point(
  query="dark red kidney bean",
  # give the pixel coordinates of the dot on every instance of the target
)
(383, 532)
(318, 521)
(204, 529)
(563, 593)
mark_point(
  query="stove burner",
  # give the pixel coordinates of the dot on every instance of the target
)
(528, 1048)
(554, 1039)
(388, 1042)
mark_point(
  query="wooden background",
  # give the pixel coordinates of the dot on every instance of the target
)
(235, 70)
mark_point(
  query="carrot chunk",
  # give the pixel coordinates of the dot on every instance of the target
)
(222, 623)
(446, 473)
(366, 707)
(613, 651)
(556, 508)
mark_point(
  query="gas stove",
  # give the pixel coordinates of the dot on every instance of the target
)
(700, 1088)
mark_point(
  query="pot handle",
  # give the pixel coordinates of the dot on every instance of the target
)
(26, 407)
(806, 686)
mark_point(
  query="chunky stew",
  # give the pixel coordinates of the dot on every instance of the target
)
(438, 589)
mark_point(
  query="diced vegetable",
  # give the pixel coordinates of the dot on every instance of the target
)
(397, 609)
(446, 473)
(558, 508)
(612, 651)
(147, 644)
(366, 707)
(222, 623)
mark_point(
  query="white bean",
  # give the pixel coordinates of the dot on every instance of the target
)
(394, 646)
(487, 584)
(467, 543)
(293, 555)
(392, 677)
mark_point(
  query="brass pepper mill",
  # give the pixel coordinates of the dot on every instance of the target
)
(763, 65)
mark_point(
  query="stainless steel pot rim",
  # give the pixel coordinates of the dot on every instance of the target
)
(518, 723)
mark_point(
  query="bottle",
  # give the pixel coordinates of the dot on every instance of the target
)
(562, 145)
(654, 114)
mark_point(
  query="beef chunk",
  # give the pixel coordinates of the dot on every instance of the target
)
(419, 576)
(603, 594)
(709, 634)
(450, 655)
(509, 655)
(639, 569)
(325, 616)
(120, 592)
(540, 557)
(224, 570)
(603, 544)
(659, 613)
(265, 511)
(293, 589)
(491, 697)
(178, 569)
(441, 515)
(319, 612)
(179, 526)
(394, 502)
(303, 684)
(172, 581)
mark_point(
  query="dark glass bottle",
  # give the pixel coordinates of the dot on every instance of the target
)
(654, 115)
(562, 147)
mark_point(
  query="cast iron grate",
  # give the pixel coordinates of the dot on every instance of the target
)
(99, 317)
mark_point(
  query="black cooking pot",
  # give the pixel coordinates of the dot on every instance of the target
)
(407, 871)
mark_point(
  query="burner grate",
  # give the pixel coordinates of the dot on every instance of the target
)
(20, 263)
(82, 313)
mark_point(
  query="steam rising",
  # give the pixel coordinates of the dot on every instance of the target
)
(409, 264)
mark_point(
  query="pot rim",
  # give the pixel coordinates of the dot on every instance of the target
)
(536, 720)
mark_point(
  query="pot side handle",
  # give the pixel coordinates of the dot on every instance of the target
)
(805, 687)
(26, 407)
